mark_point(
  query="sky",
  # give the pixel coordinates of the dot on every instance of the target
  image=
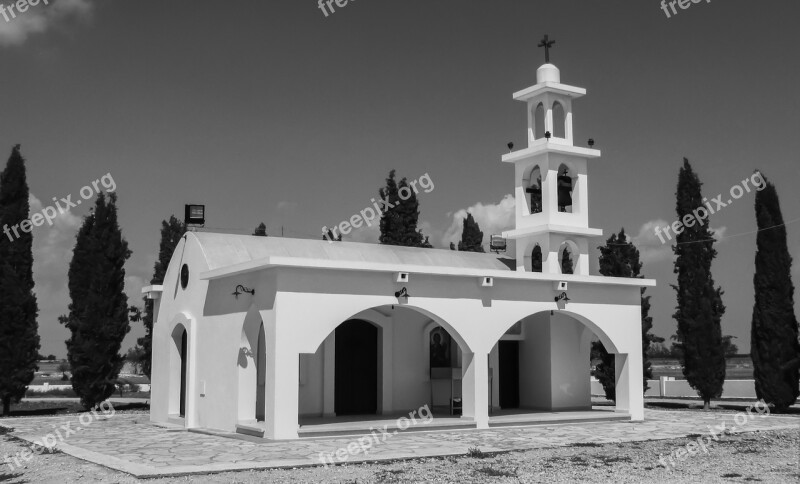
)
(272, 111)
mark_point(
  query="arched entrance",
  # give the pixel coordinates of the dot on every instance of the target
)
(179, 371)
(252, 370)
(183, 354)
(356, 368)
(261, 374)
(542, 364)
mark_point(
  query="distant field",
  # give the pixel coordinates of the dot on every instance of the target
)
(737, 368)
(48, 373)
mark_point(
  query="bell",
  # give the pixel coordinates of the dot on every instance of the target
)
(564, 192)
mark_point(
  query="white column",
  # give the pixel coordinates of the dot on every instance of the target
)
(282, 390)
(630, 398)
(329, 375)
(475, 381)
(387, 367)
(494, 359)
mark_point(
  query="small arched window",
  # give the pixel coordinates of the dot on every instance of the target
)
(538, 122)
(567, 258)
(536, 259)
(535, 190)
(559, 121)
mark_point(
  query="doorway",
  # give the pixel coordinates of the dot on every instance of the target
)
(261, 375)
(184, 347)
(356, 373)
(508, 353)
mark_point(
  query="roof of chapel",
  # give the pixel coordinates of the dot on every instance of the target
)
(230, 254)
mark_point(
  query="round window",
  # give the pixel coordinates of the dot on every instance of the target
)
(184, 276)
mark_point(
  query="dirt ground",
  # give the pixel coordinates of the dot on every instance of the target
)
(754, 457)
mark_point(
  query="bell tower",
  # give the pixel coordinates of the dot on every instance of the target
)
(551, 178)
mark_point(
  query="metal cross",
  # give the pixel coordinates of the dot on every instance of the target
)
(546, 43)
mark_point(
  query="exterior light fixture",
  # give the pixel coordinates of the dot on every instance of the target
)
(591, 142)
(244, 289)
(510, 146)
(194, 214)
(547, 134)
(497, 243)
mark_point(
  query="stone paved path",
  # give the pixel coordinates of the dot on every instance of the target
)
(129, 443)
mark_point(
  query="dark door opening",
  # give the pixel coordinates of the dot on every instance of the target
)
(509, 374)
(184, 347)
(261, 375)
(356, 374)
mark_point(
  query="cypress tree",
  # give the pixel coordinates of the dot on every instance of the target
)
(700, 308)
(19, 338)
(471, 236)
(620, 258)
(774, 331)
(171, 233)
(400, 216)
(98, 313)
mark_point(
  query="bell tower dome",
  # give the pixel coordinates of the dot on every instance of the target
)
(551, 180)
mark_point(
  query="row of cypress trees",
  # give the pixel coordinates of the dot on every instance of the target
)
(775, 348)
(98, 317)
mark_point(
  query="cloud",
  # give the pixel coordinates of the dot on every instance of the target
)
(52, 253)
(285, 205)
(16, 26)
(651, 249)
(368, 235)
(492, 219)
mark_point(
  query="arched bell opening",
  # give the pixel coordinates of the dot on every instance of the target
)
(534, 190)
(559, 121)
(568, 254)
(565, 188)
(536, 258)
(538, 121)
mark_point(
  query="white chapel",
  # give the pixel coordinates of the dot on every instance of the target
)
(285, 338)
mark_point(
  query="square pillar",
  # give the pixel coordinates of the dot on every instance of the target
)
(630, 394)
(329, 375)
(283, 389)
(475, 388)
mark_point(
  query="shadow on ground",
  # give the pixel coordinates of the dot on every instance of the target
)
(44, 409)
(715, 406)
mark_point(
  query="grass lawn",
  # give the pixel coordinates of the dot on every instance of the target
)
(39, 409)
